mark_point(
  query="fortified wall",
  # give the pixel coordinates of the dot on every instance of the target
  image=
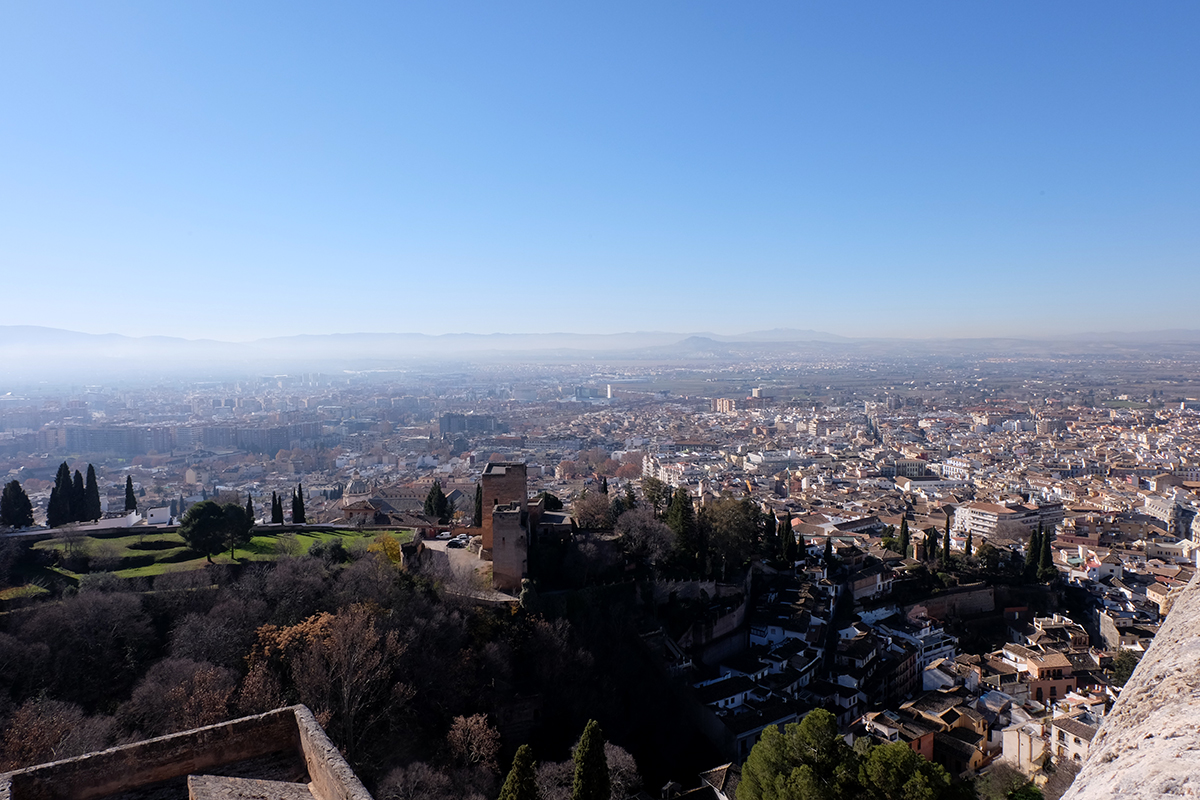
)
(1149, 745)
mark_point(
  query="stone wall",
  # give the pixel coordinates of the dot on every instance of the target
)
(1149, 745)
(122, 769)
(503, 482)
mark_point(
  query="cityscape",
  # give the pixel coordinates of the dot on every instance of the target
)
(625, 401)
(968, 555)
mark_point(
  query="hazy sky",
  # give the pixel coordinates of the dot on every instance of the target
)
(245, 169)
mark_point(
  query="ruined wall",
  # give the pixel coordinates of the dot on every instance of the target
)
(1149, 745)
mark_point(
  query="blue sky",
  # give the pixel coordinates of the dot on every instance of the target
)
(236, 170)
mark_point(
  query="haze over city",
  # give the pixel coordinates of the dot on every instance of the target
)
(548, 401)
(235, 172)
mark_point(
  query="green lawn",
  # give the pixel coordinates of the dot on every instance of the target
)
(169, 553)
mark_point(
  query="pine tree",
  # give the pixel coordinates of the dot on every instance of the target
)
(92, 509)
(1033, 552)
(521, 783)
(591, 766)
(78, 496)
(15, 509)
(603, 485)
(130, 497)
(630, 498)
(904, 536)
(477, 517)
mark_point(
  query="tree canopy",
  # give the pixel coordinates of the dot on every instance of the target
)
(591, 766)
(209, 528)
(810, 760)
(521, 783)
(15, 509)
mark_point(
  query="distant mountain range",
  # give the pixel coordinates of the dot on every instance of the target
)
(31, 351)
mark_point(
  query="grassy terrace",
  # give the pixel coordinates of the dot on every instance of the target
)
(150, 553)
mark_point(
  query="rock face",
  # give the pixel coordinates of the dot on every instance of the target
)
(1149, 746)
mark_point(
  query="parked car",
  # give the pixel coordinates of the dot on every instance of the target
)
(444, 535)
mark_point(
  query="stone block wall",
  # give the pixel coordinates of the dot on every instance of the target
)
(1149, 744)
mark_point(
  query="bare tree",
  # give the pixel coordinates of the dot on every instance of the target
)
(644, 535)
(345, 674)
(474, 742)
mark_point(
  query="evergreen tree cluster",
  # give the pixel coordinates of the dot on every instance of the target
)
(1039, 558)
(73, 499)
(15, 509)
(437, 505)
(210, 528)
(298, 517)
(811, 760)
(276, 509)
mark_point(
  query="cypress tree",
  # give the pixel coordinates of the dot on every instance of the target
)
(91, 496)
(1033, 553)
(603, 485)
(15, 509)
(681, 519)
(130, 497)
(58, 512)
(946, 543)
(174, 510)
(630, 498)
(904, 536)
(521, 783)
(300, 503)
(436, 504)
(931, 545)
(249, 508)
(967, 549)
(1046, 570)
(828, 552)
(276, 509)
(477, 517)
(770, 532)
(591, 766)
(789, 539)
(78, 497)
